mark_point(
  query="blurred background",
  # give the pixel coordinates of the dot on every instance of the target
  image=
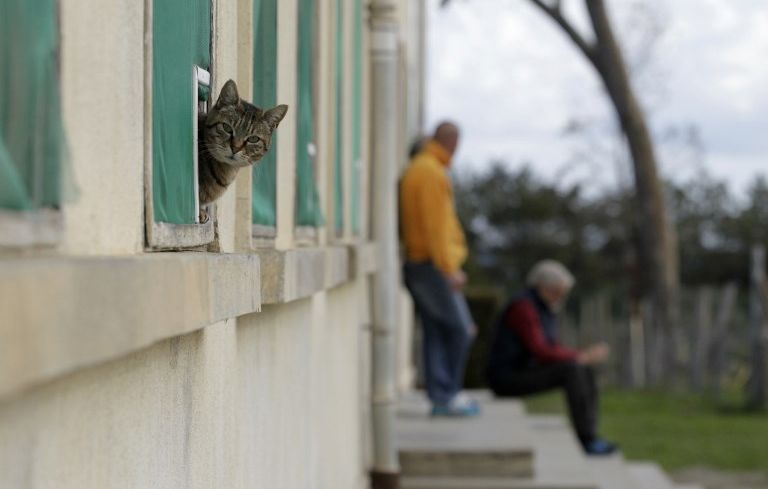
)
(544, 170)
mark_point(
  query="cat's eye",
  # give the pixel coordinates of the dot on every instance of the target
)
(223, 126)
(254, 139)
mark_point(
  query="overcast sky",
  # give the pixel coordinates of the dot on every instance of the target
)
(511, 79)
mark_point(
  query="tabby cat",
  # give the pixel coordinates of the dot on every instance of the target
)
(233, 135)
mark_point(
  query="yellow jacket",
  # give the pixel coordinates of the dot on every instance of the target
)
(430, 228)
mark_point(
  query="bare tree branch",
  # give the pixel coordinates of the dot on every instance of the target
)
(555, 12)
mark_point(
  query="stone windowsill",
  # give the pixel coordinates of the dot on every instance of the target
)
(297, 274)
(61, 314)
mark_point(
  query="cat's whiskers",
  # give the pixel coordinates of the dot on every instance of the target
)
(216, 151)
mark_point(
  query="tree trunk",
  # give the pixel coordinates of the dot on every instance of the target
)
(757, 387)
(658, 246)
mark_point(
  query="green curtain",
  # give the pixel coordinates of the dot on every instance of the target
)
(308, 212)
(338, 167)
(265, 96)
(181, 31)
(32, 144)
(357, 112)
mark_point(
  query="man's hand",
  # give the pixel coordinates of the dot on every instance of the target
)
(473, 331)
(594, 355)
(457, 280)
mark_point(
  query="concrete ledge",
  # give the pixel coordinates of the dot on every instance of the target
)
(60, 314)
(297, 274)
(363, 259)
(165, 236)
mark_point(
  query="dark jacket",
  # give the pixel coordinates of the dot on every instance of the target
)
(525, 335)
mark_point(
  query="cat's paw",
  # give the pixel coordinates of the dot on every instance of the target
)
(203, 216)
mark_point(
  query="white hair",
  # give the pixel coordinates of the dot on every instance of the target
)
(550, 273)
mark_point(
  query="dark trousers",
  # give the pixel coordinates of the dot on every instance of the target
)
(446, 322)
(578, 382)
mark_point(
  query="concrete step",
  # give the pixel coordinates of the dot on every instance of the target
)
(495, 444)
(560, 461)
(559, 464)
(487, 483)
(648, 475)
(612, 472)
(687, 486)
(419, 398)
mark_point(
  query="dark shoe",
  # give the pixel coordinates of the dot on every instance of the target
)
(599, 448)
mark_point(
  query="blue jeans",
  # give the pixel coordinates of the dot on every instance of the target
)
(446, 321)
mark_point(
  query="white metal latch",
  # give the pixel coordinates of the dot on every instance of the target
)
(199, 77)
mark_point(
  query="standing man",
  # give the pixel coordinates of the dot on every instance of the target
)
(435, 252)
(527, 358)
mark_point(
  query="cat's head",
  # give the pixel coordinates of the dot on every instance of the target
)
(238, 133)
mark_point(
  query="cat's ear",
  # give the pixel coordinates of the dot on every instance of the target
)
(228, 95)
(275, 115)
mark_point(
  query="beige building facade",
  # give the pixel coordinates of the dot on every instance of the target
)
(238, 358)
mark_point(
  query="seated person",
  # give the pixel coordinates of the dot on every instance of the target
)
(526, 357)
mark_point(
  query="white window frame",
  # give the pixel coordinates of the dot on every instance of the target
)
(161, 235)
(202, 77)
(264, 232)
(23, 229)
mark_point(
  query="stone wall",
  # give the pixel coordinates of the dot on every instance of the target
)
(124, 367)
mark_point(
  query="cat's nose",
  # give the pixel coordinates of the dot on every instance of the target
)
(236, 145)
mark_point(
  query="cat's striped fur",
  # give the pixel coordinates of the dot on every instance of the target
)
(233, 135)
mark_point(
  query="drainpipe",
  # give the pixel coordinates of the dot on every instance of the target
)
(386, 283)
(422, 75)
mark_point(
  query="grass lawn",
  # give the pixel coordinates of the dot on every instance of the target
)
(677, 430)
